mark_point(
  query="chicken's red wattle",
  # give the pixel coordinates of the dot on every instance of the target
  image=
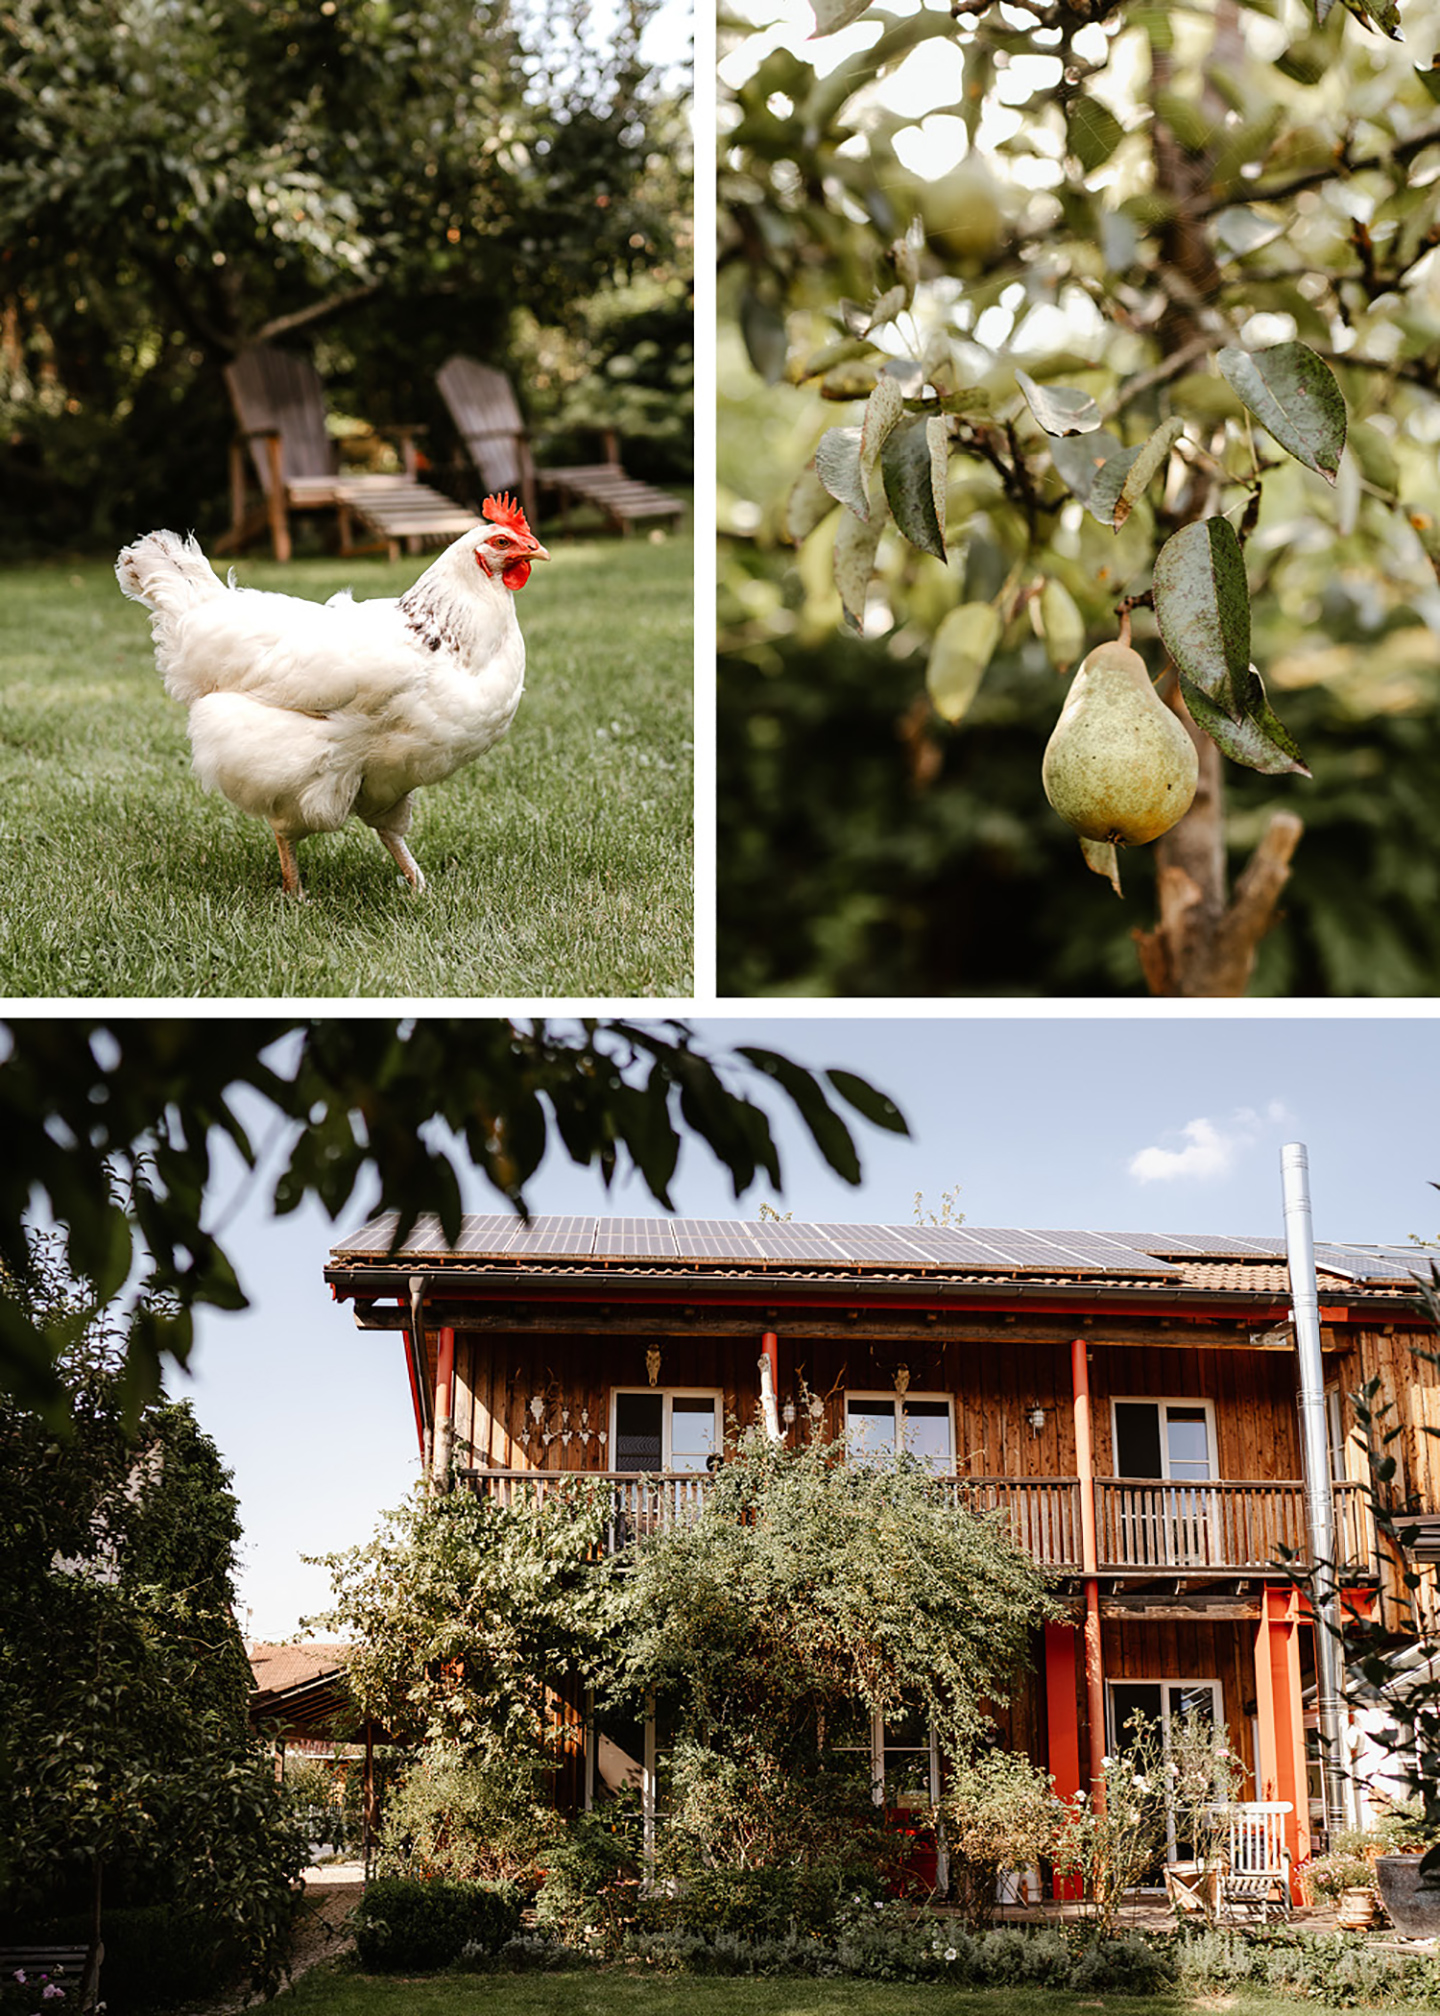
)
(516, 574)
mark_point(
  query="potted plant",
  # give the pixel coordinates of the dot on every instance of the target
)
(1344, 1877)
(1414, 1906)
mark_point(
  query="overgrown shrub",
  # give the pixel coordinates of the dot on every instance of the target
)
(1000, 1813)
(592, 1879)
(401, 1923)
(468, 1817)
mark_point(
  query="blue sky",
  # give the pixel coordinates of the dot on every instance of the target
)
(1170, 1124)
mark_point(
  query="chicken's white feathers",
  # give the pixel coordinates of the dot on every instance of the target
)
(303, 713)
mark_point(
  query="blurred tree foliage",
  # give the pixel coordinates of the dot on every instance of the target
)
(1110, 197)
(397, 181)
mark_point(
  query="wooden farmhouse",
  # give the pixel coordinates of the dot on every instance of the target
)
(1129, 1402)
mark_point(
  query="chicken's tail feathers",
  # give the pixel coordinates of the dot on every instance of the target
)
(167, 573)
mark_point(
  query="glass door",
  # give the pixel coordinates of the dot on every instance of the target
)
(1158, 1704)
(1171, 1441)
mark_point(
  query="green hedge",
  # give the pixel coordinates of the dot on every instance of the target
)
(402, 1922)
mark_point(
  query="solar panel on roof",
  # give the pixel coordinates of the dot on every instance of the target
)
(554, 1236)
(777, 1239)
(715, 1239)
(1106, 1253)
(489, 1232)
(636, 1238)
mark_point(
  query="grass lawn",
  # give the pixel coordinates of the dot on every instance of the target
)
(331, 1991)
(558, 864)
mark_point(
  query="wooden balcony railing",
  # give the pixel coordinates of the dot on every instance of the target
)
(1230, 1526)
(1141, 1525)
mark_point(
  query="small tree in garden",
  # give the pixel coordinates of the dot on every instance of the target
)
(1153, 360)
(807, 1596)
(467, 1615)
(128, 1772)
(1000, 1813)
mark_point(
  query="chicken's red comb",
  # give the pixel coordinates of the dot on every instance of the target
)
(503, 510)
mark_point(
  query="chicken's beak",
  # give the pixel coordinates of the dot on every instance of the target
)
(535, 551)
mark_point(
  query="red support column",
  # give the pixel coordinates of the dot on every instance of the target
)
(1090, 1563)
(1062, 1726)
(1280, 1717)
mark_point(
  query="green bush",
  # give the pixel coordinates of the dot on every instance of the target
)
(1337, 1968)
(401, 1923)
(1129, 1965)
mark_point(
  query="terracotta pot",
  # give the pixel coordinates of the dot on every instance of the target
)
(1415, 1913)
(1357, 1909)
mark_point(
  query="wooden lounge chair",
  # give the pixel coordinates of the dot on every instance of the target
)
(482, 404)
(1255, 1864)
(280, 406)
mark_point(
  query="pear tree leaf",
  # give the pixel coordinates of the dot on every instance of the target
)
(1152, 456)
(837, 464)
(1093, 132)
(1094, 469)
(1061, 624)
(963, 647)
(884, 410)
(1202, 606)
(766, 342)
(914, 461)
(1111, 479)
(1293, 394)
(831, 15)
(1429, 75)
(807, 506)
(908, 375)
(1101, 859)
(844, 350)
(1060, 409)
(891, 303)
(845, 383)
(856, 544)
(1381, 14)
(1257, 740)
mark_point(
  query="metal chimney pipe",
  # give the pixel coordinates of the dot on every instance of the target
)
(1319, 1497)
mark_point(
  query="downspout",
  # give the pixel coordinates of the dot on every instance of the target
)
(415, 1360)
(1315, 1453)
(770, 1384)
(1090, 1565)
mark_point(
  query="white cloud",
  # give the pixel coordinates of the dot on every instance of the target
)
(1211, 1150)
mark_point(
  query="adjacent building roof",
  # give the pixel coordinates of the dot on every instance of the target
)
(503, 1243)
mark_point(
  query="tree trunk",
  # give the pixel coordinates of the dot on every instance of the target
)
(1203, 944)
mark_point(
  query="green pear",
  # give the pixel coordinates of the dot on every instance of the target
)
(1119, 765)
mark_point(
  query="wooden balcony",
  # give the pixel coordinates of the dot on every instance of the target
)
(1143, 1528)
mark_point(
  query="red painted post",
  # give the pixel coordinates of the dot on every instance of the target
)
(1062, 1727)
(1090, 1563)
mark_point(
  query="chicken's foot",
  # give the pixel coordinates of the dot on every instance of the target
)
(289, 866)
(405, 860)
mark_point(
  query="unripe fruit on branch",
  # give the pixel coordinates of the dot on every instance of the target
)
(1119, 765)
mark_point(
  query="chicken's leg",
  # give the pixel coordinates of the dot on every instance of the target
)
(289, 866)
(408, 865)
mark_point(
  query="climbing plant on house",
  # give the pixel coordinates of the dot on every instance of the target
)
(808, 1596)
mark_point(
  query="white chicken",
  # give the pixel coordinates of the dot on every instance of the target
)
(303, 713)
